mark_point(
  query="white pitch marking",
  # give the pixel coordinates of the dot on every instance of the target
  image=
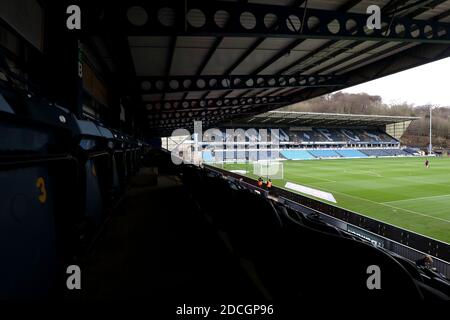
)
(421, 198)
(390, 206)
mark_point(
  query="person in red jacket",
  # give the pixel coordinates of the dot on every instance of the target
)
(260, 182)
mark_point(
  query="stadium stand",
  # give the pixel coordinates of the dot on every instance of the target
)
(374, 152)
(397, 152)
(332, 135)
(64, 176)
(274, 242)
(344, 135)
(307, 136)
(412, 151)
(303, 143)
(385, 152)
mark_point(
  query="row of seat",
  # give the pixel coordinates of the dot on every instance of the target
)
(61, 177)
(293, 255)
(341, 135)
(324, 153)
(295, 154)
(386, 152)
(344, 135)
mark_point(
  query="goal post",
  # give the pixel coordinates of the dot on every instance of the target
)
(268, 169)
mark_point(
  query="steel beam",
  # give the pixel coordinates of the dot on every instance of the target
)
(155, 84)
(209, 118)
(190, 104)
(197, 18)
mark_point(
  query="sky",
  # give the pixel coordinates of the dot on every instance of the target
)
(427, 84)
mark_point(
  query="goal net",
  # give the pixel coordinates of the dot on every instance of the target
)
(268, 169)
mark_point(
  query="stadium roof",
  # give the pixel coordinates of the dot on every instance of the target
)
(294, 118)
(213, 61)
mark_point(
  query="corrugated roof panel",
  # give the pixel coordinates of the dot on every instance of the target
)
(251, 93)
(174, 95)
(216, 94)
(149, 61)
(432, 12)
(376, 57)
(296, 90)
(275, 43)
(362, 6)
(226, 54)
(149, 54)
(264, 52)
(301, 50)
(151, 97)
(235, 93)
(360, 57)
(344, 55)
(237, 42)
(195, 42)
(222, 60)
(253, 61)
(328, 54)
(189, 54)
(195, 94)
(153, 42)
(279, 92)
(326, 4)
(187, 61)
(267, 92)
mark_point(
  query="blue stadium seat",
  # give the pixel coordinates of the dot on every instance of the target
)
(351, 154)
(412, 151)
(297, 154)
(374, 152)
(384, 152)
(324, 154)
(90, 141)
(291, 253)
(38, 177)
(396, 152)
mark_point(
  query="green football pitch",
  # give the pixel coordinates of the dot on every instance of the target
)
(399, 191)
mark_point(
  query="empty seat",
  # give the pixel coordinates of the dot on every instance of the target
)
(324, 153)
(329, 265)
(38, 176)
(294, 255)
(351, 154)
(296, 154)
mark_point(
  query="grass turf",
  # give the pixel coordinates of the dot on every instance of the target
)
(399, 191)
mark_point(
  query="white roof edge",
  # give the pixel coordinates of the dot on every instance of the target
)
(338, 114)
